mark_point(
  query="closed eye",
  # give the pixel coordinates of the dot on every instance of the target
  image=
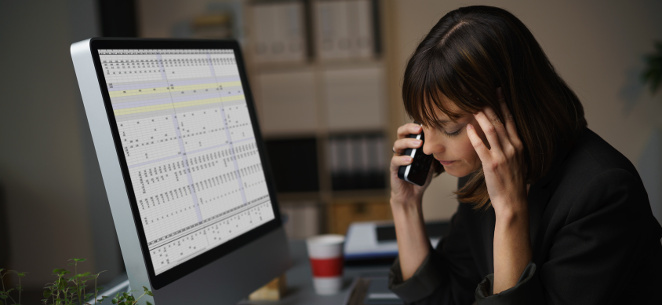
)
(454, 133)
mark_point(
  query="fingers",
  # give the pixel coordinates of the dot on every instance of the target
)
(492, 127)
(400, 145)
(502, 138)
(397, 161)
(407, 129)
(403, 142)
(481, 149)
(510, 127)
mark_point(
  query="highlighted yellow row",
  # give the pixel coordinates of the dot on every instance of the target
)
(141, 109)
(120, 93)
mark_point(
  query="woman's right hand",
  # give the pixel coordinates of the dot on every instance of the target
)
(403, 192)
(406, 205)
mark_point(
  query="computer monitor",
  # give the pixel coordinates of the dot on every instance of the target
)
(184, 166)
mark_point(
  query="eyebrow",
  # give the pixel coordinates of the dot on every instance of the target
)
(443, 121)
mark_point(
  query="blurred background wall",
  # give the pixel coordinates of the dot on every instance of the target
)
(54, 205)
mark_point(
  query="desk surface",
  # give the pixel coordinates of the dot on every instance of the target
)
(299, 281)
(300, 284)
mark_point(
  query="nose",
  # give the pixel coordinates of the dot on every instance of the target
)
(433, 142)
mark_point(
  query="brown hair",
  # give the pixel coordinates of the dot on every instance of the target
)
(470, 53)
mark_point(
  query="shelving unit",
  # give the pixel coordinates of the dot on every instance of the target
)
(333, 93)
(319, 79)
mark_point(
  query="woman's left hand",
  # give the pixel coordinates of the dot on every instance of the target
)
(501, 159)
(505, 180)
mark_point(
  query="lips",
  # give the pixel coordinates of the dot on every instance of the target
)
(445, 162)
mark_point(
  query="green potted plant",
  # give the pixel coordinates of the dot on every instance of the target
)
(652, 74)
(67, 289)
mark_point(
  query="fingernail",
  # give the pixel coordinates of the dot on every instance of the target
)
(469, 126)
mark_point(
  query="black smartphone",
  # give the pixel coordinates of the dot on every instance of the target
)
(417, 171)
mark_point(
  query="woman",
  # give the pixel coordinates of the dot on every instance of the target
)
(549, 213)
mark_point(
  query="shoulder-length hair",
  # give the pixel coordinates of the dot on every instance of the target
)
(470, 53)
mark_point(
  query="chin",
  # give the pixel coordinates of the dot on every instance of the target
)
(462, 169)
(456, 172)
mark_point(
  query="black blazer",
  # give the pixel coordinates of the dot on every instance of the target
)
(593, 236)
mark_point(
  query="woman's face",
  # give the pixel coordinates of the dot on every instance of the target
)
(450, 144)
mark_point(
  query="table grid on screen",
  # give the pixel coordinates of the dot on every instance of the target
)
(188, 141)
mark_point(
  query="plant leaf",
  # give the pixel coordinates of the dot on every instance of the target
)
(652, 75)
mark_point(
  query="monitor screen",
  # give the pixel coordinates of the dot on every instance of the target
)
(189, 146)
(185, 135)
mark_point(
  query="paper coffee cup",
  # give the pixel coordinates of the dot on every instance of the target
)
(326, 261)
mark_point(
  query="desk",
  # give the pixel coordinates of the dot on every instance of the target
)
(299, 281)
(300, 284)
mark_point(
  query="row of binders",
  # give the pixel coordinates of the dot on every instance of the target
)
(299, 30)
(357, 161)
